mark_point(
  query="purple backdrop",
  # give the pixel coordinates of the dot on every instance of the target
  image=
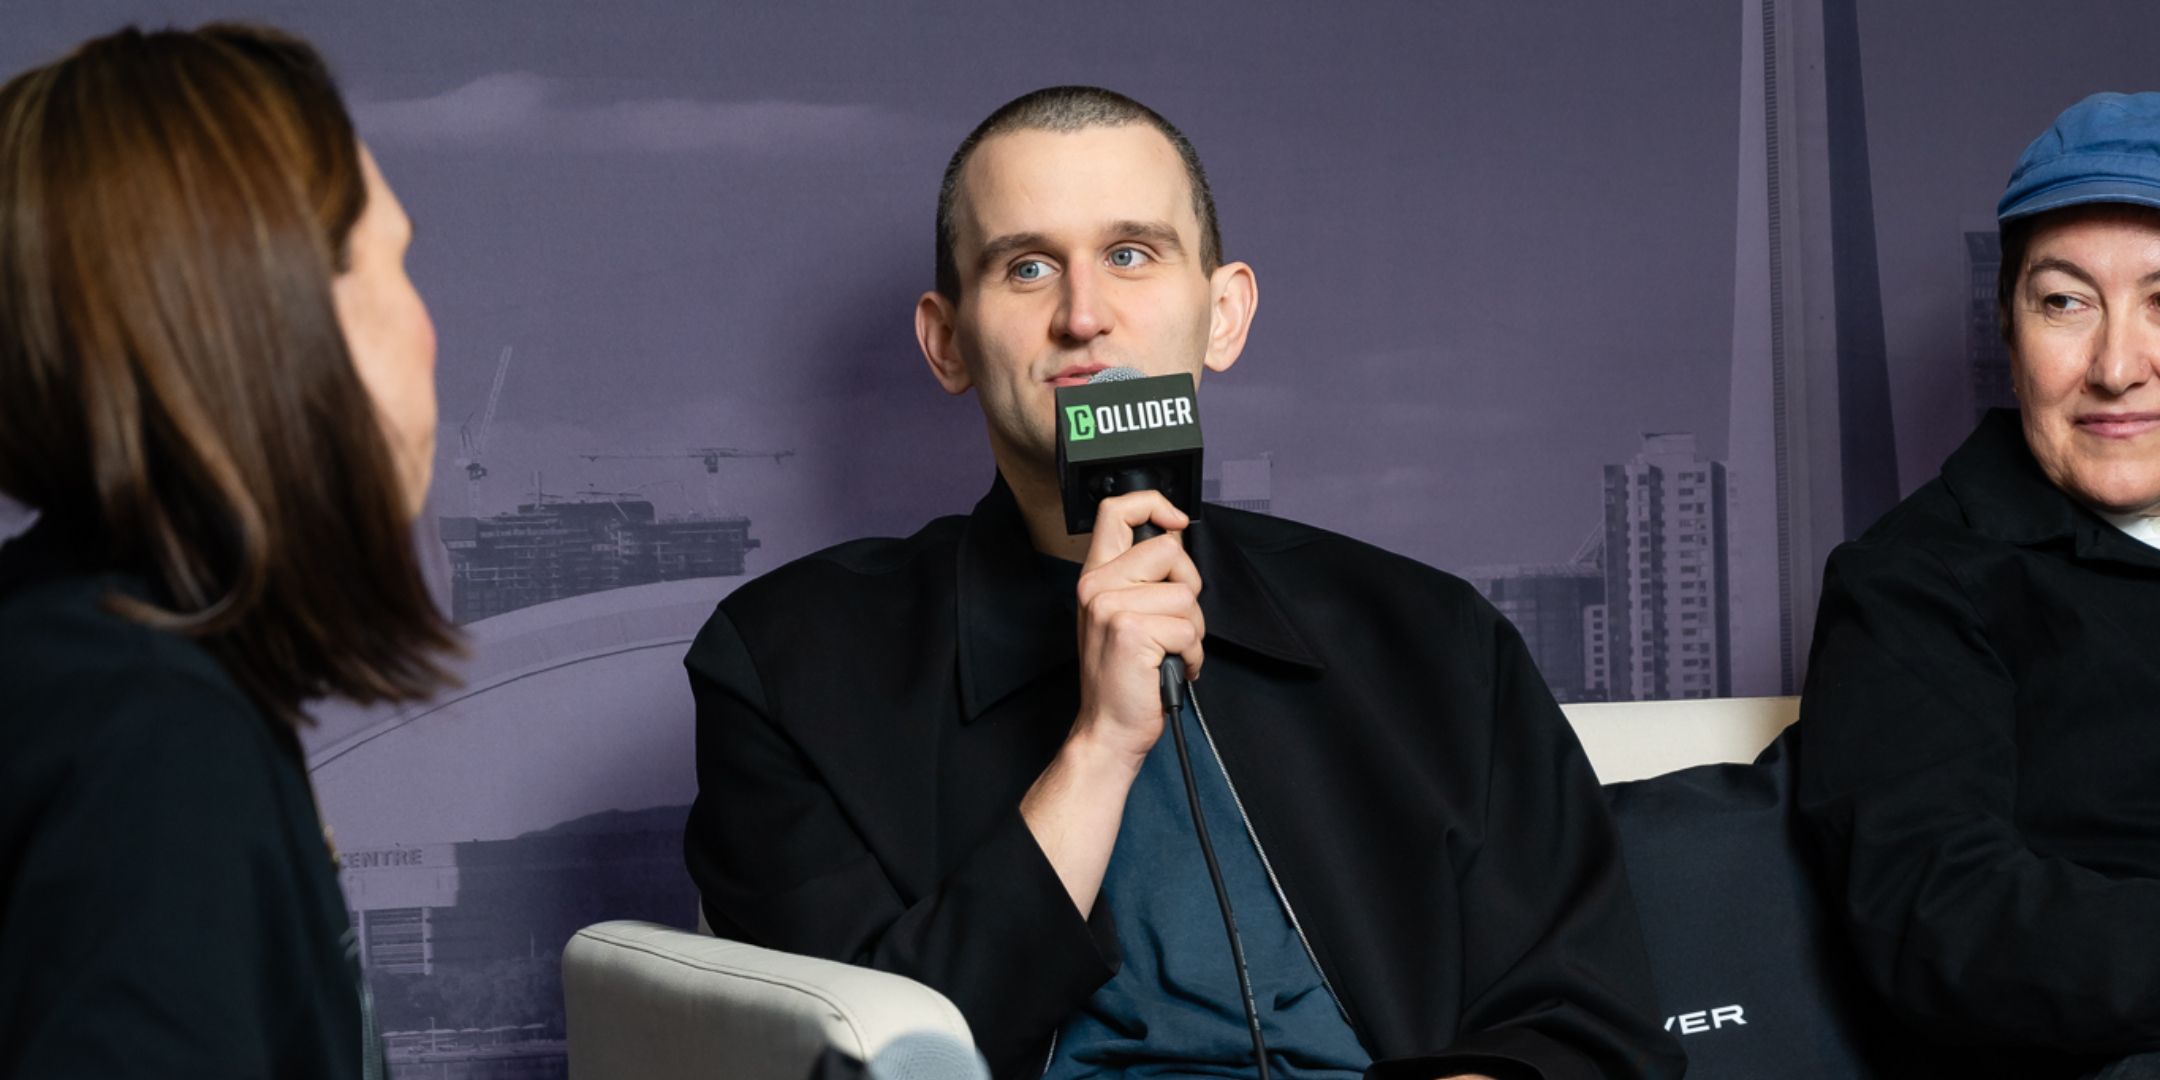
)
(1497, 244)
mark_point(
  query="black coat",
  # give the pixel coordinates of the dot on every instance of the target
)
(168, 907)
(869, 718)
(1982, 761)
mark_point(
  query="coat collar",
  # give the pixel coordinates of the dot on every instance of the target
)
(1016, 605)
(1998, 484)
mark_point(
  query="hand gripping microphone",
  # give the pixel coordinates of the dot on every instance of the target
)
(1125, 431)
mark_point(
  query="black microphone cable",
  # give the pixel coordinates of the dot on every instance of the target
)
(1138, 475)
(1173, 701)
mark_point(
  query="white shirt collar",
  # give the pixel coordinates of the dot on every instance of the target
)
(2140, 527)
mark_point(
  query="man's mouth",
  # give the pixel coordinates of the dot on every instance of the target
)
(1075, 374)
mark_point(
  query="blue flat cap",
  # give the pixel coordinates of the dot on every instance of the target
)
(2104, 149)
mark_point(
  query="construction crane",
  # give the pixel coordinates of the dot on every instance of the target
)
(473, 442)
(710, 456)
(1591, 552)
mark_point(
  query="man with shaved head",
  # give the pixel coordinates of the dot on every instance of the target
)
(942, 756)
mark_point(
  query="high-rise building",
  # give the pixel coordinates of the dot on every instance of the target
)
(1550, 605)
(1597, 653)
(550, 550)
(1985, 349)
(1667, 580)
(1810, 441)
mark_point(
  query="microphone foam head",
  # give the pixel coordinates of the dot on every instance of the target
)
(1116, 374)
(928, 1055)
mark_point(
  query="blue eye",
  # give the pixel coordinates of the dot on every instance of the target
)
(1126, 258)
(1030, 270)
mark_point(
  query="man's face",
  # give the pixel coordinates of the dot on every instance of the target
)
(2085, 347)
(1077, 251)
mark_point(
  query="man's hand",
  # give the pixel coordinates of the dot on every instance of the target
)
(1138, 603)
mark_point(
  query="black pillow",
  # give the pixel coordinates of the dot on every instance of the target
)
(1754, 983)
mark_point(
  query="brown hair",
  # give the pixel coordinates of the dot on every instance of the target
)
(173, 378)
(1069, 109)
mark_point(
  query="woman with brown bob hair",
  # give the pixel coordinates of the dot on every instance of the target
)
(216, 392)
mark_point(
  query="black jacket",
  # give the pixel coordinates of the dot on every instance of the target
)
(167, 904)
(869, 718)
(1982, 761)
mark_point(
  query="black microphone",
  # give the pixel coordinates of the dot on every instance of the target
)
(1124, 431)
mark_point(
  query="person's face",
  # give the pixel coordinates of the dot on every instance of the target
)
(2085, 348)
(1077, 251)
(388, 333)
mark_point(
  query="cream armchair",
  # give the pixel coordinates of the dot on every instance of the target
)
(650, 1002)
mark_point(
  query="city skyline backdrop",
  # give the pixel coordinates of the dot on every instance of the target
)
(622, 205)
(1505, 266)
(705, 227)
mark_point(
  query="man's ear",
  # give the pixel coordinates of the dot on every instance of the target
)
(1233, 296)
(936, 325)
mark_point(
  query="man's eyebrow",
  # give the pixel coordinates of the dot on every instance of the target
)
(998, 249)
(1158, 233)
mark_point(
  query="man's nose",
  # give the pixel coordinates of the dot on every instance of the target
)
(1083, 316)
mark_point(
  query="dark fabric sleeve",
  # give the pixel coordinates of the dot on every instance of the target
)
(149, 920)
(1909, 776)
(778, 863)
(1556, 981)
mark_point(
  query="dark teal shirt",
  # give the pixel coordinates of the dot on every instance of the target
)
(1173, 1009)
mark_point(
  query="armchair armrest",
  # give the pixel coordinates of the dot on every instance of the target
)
(657, 1003)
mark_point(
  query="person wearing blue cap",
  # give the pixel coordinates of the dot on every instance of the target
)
(1981, 761)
